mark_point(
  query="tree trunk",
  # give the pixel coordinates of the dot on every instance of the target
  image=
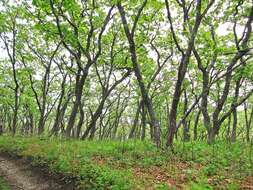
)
(228, 128)
(186, 132)
(237, 89)
(136, 119)
(181, 75)
(143, 122)
(248, 125)
(41, 123)
(78, 95)
(195, 130)
(15, 114)
(81, 121)
(55, 127)
(233, 134)
(145, 97)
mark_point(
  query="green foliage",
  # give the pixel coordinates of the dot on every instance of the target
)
(210, 169)
(162, 186)
(199, 186)
(3, 185)
(78, 27)
(112, 164)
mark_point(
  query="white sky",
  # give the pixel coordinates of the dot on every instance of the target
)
(222, 30)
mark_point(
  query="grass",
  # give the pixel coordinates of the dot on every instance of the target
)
(3, 185)
(139, 165)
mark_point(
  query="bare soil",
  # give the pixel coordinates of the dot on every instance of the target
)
(20, 174)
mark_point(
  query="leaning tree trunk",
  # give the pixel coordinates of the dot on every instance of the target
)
(15, 113)
(195, 129)
(234, 129)
(80, 122)
(248, 122)
(78, 95)
(186, 132)
(136, 119)
(41, 123)
(237, 88)
(228, 128)
(136, 67)
(143, 122)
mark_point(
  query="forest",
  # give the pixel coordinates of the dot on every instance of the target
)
(127, 94)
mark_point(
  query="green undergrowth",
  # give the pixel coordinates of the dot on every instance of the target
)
(3, 185)
(139, 165)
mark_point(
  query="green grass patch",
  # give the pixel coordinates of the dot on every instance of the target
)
(3, 184)
(138, 165)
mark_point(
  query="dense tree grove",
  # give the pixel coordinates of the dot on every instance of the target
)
(122, 69)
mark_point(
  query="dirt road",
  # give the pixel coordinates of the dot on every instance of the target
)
(20, 175)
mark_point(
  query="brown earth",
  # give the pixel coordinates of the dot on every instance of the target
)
(20, 174)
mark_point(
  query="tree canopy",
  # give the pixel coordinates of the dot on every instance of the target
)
(118, 69)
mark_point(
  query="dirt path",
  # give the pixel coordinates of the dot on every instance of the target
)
(20, 175)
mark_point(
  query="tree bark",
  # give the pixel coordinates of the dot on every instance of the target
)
(136, 119)
(181, 72)
(237, 88)
(196, 122)
(145, 96)
(78, 95)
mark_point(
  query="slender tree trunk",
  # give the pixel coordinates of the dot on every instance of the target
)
(229, 71)
(248, 122)
(41, 123)
(234, 129)
(228, 128)
(237, 89)
(145, 97)
(31, 123)
(15, 113)
(196, 122)
(143, 122)
(186, 132)
(204, 107)
(181, 75)
(176, 97)
(136, 119)
(1, 127)
(78, 95)
(55, 127)
(92, 126)
(81, 121)
(12, 58)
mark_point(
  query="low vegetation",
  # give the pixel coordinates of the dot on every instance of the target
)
(130, 94)
(139, 165)
(3, 185)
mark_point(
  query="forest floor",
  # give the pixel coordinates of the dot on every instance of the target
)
(125, 165)
(19, 174)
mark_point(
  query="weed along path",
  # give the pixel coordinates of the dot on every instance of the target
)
(19, 174)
